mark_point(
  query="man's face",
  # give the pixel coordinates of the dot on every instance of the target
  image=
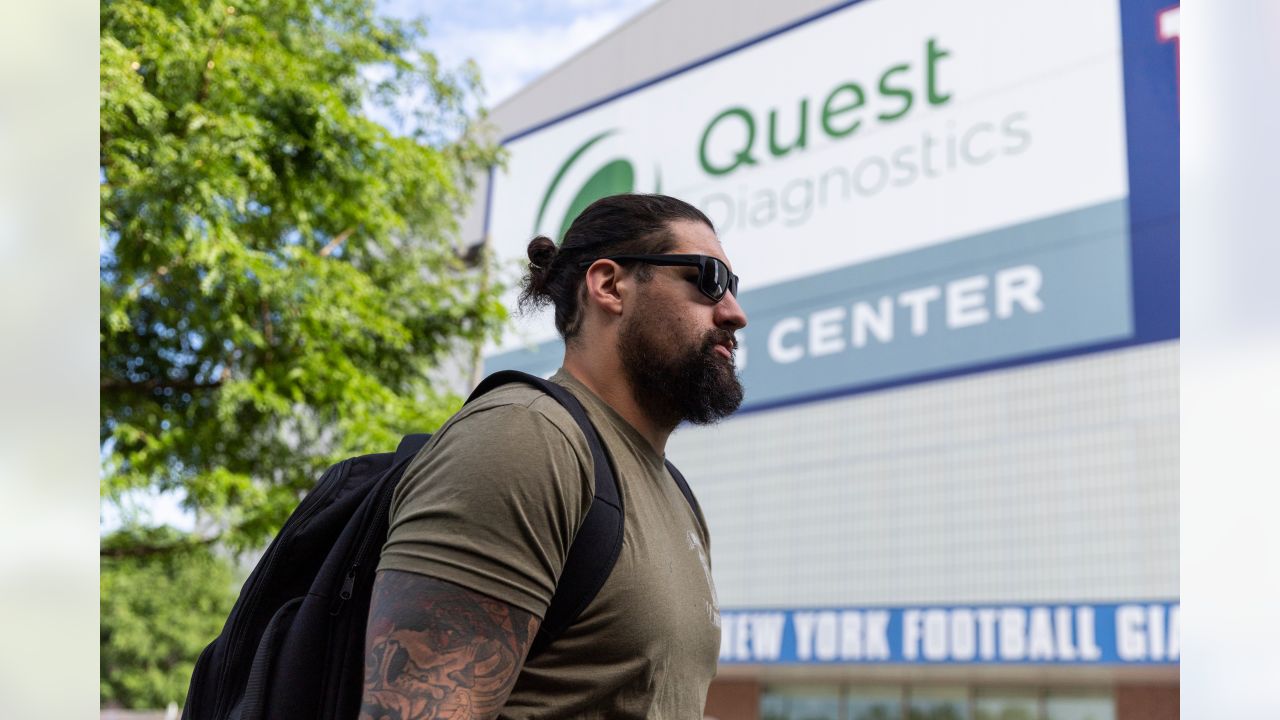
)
(676, 345)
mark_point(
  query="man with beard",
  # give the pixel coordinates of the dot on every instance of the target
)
(483, 520)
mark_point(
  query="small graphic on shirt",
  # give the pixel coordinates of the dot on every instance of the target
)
(713, 606)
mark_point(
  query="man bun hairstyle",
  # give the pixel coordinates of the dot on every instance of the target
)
(628, 224)
(542, 254)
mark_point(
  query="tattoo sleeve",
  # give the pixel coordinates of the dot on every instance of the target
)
(436, 650)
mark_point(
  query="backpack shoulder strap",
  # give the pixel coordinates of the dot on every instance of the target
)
(409, 446)
(684, 488)
(596, 547)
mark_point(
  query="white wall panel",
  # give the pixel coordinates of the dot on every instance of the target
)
(1051, 482)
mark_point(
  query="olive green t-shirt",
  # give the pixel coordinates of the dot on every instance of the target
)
(493, 503)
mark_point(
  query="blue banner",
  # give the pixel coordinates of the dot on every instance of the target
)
(1138, 633)
(1041, 286)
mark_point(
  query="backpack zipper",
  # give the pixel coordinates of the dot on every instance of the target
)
(349, 583)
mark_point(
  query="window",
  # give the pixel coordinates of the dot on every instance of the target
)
(1005, 705)
(938, 703)
(800, 702)
(1062, 706)
(873, 703)
(785, 701)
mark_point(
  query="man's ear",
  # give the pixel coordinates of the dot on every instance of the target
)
(604, 284)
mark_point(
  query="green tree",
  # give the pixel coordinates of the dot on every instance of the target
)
(279, 273)
(158, 611)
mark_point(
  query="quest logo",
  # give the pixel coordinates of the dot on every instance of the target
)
(597, 168)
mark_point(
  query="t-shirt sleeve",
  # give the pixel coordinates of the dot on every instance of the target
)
(493, 505)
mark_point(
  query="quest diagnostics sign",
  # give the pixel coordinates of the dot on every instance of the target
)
(905, 188)
(1140, 633)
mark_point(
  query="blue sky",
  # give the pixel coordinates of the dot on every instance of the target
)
(513, 42)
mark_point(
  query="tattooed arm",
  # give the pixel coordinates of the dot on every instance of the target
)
(436, 650)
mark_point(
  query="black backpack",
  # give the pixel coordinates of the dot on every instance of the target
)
(293, 646)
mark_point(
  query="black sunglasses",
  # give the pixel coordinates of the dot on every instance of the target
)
(714, 278)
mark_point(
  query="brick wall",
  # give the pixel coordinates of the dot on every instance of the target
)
(733, 700)
(1147, 702)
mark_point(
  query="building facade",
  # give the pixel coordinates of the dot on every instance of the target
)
(952, 491)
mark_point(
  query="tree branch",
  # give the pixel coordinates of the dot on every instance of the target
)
(116, 384)
(337, 241)
(151, 280)
(268, 332)
(208, 58)
(139, 551)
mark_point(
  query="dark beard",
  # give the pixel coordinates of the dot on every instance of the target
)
(698, 386)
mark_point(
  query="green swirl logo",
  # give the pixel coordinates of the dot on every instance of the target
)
(614, 175)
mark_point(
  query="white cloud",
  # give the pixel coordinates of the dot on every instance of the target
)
(150, 507)
(510, 58)
(515, 45)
